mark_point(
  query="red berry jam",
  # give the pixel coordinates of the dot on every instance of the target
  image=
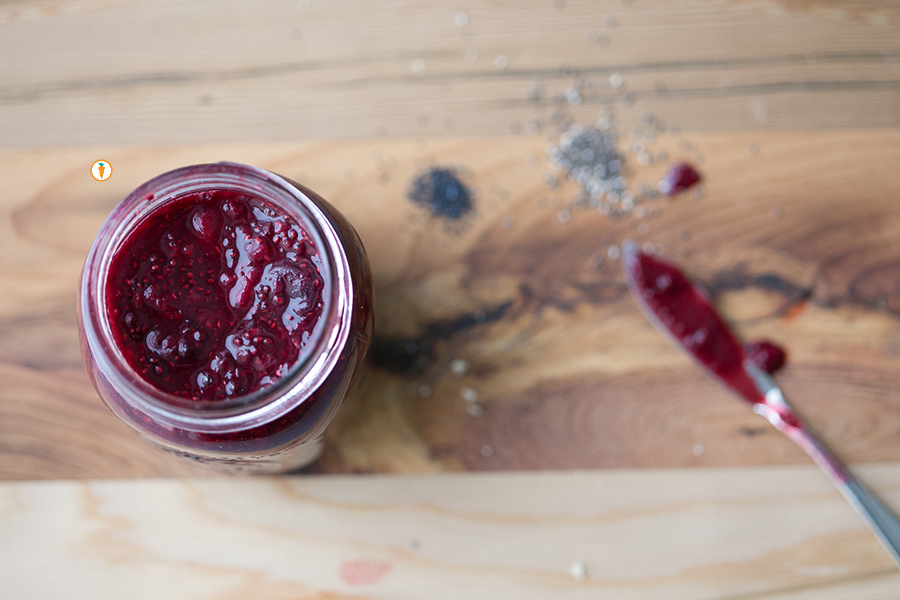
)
(766, 356)
(691, 319)
(679, 178)
(214, 295)
(224, 313)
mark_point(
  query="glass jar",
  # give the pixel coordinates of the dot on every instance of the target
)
(277, 428)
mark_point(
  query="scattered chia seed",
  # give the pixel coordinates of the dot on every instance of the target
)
(573, 96)
(441, 191)
(459, 367)
(424, 391)
(698, 449)
(487, 450)
(578, 570)
(469, 395)
(475, 410)
(551, 181)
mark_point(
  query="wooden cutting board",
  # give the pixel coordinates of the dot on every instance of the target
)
(797, 234)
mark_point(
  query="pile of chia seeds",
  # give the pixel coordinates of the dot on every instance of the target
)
(441, 192)
(592, 159)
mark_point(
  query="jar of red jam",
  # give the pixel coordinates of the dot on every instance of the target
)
(224, 312)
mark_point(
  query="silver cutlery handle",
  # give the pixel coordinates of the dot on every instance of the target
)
(878, 517)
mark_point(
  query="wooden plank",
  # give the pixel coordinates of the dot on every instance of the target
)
(758, 533)
(118, 72)
(568, 372)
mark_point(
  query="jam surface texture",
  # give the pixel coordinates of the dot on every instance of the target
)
(215, 295)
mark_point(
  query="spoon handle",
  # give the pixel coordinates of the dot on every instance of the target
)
(878, 517)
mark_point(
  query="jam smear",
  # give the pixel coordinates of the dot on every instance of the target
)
(214, 295)
(766, 356)
(690, 317)
(679, 178)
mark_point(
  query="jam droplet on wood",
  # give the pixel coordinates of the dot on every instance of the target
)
(766, 356)
(679, 178)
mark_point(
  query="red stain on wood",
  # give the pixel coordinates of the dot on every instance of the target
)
(363, 572)
(796, 310)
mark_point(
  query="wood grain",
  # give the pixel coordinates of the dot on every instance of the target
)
(78, 72)
(567, 371)
(757, 533)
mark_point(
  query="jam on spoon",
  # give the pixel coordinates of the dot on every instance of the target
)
(691, 320)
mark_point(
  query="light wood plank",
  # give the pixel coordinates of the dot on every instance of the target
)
(764, 533)
(118, 72)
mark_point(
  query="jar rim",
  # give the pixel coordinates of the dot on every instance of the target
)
(264, 405)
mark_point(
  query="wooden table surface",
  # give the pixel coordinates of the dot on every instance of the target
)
(789, 109)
